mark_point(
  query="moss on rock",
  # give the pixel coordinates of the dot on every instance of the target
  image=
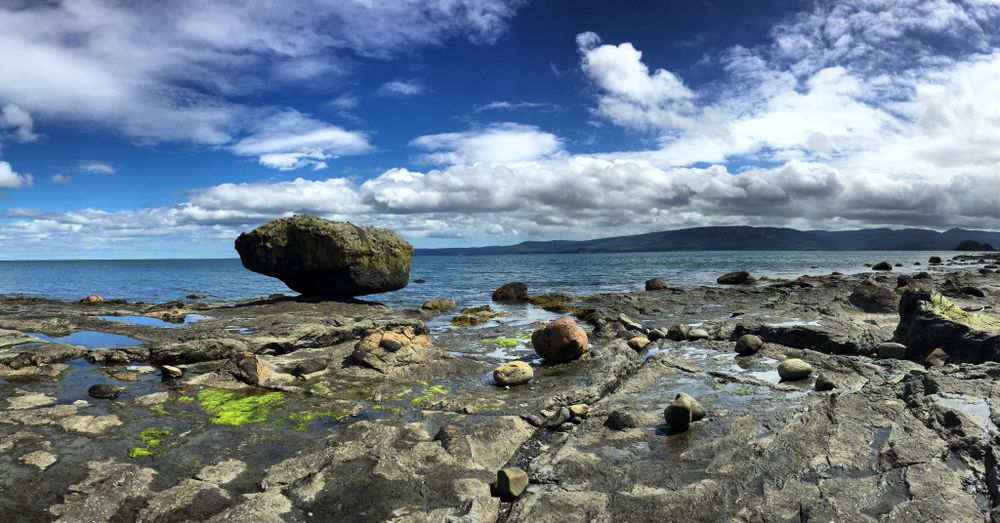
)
(228, 408)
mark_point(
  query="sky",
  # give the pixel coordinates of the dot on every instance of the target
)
(163, 129)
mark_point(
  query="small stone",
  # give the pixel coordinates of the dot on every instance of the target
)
(656, 334)
(511, 482)
(892, 350)
(310, 366)
(105, 392)
(196, 296)
(923, 275)
(171, 372)
(794, 369)
(560, 417)
(419, 280)
(439, 304)
(656, 284)
(682, 412)
(630, 324)
(621, 420)
(973, 291)
(580, 410)
(678, 332)
(698, 334)
(638, 343)
(748, 344)
(125, 376)
(93, 298)
(882, 266)
(934, 260)
(566, 427)
(937, 358)
(513, 373)
(824, 384)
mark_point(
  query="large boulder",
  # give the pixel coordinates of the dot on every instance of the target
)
(513, 291)
(319, 257)
(560, 341)
(735, 278)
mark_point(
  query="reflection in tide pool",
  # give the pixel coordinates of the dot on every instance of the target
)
(91, 339)
(149, 321)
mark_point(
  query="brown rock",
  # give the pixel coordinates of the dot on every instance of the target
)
(560, 341)
(513, 373)
(511, 482)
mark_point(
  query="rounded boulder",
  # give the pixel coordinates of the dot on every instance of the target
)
(560, 341)
(513, 373)
(319, 257)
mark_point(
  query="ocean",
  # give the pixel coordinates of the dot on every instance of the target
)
(467, 279)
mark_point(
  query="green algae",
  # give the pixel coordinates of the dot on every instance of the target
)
(152, 437)
(185, 398)
(388, 408)
(229, 409)
(502, 342)
(139, 452)
(300, 420)
(427, 394)
(322, 388)
(944, 308)
(159, 409)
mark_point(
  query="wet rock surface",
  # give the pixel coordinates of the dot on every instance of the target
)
(425, 433)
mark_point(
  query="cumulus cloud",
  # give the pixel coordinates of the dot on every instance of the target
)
(497, 143)
(9, 179)
(60, 179)
(290, 140)
(170, 71)
(401, 88)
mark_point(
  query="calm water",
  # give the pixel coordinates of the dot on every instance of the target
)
(468, 279)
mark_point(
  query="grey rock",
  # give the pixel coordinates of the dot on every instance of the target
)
(319, 257)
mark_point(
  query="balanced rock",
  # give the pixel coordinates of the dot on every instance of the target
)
(748, 344)
(319, 257)
(873, 298)
(735, 278)
(560, 341)
(656, 284)
(682, 412)
(882, 266)
(794, 369)
(514, 291)
(513, 373)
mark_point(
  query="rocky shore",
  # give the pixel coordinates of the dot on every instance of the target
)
(867, 397)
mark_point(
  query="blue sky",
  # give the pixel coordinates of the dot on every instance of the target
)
(163, 130)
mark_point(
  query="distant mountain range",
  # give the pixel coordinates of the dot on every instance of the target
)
(746, 239)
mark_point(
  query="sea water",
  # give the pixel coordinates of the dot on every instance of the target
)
(468, 279)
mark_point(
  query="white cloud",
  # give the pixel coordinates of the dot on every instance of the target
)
(60, 179)
(503, 105)
(9, 179)
(291, 140)
(497, 143)
(170, 71)
(401, 88)
(17, 123)
(96, 167)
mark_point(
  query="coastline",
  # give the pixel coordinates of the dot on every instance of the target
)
(419, 434)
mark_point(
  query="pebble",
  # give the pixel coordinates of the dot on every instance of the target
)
(638, 343)
(748, 344)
